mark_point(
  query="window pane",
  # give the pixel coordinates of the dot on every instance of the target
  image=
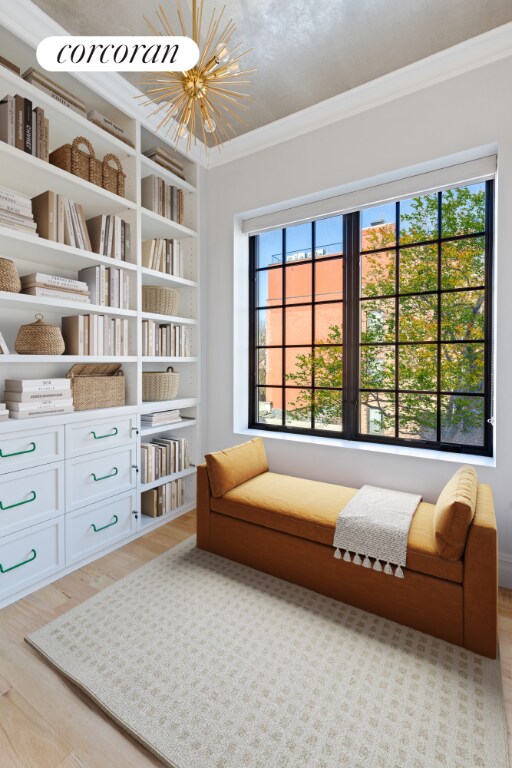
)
(462, 420)
(269, 405)
(417, 417)
(270, 366)
(418, 219)
(329, 236)
(463, 210)
(418, 269)
(269, 287)
(328, 366)
(298, 408)
(378, 227)
(298, 325)
(418, 367)
(328, 408)
(269, 248)
(328, 323)
(269, 327)
(462, 315)
(418, 318)
(378, 274)
(329, 280)
(377, 414)
(377, 321)
(299, 242)
(299, 283)
(299, 366)
(377, 367)
(462, 367)
(463, 263)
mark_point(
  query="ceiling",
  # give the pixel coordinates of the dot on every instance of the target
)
(306, 52)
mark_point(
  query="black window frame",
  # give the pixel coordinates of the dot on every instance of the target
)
(351, 342)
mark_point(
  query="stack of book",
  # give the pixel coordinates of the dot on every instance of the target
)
(16, 212)
(61, 220)
(169, 340)
(166, 160)
(163, 256)
(161, 418)
(95, 335)
(109, 236)
(54, 287)
(26, 398)
(164, 499)
(9, 64)
(4, 413)
(163, 456)
(108, 286)
(162, 198)
(23, 127)
(109, 126)
(57, 92)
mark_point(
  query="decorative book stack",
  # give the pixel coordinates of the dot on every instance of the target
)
(164, 158)
(108, 286)
(4, 413)
(168, 340)
(26, 398)
(55, 287)
(162, 500)
(109, 236)
(163, 456)
(24, 127)
(61, 220)
(99, 335)
(16, 211)
(162, 198)
(163, 256)
(161, 418)
(56, 91)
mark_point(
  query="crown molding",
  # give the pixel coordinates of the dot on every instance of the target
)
(451, 62)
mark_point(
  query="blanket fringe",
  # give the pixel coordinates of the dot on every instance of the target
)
(367, 563)
(399, 573)
(337, 554)
(357, 560)
(377, 566)
(347, 558)
(388, 569)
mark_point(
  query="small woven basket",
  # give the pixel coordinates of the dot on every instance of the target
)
(113, 179)
(97, 386)
(9, 278)
(159, 385)
(161, 301)
(39, 338)
(74, 160)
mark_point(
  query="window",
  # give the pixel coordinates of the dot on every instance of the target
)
(376, 325)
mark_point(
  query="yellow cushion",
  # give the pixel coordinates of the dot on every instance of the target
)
(454, 513)
(228, 468)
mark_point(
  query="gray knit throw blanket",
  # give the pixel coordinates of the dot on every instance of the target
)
(375, 524)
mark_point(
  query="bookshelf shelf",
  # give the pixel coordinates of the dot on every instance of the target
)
(153, 277)
(169, 405)
(168, 318)
(154, 225)
(150, 168)
(153, 522)
(167, 479)
(38, 303)
(148, 431)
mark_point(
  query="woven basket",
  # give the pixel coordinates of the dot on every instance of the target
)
(161, 301)
(39, 338)
(113, 179)
(9, 278)
(97, 386)
(159, 385)
(74, 160)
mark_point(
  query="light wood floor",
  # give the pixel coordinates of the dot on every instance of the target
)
(46, 723)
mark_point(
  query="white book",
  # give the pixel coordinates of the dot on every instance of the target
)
(10, 196)
(117, 326)
(49, 293)
(59, 282)
(43, 405)
(101, 333)
(69, 233)
(48, 412)
(37, 397)
(8, 120)
(117, 247)
(36, 385)
(77, 229)
(93, 335)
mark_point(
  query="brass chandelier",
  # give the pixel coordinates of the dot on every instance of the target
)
(205, 100)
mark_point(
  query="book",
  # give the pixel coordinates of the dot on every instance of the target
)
(92, 278)
(4, 350)
(83, 227)
(48, 411)
(8, 120)
(55, 280)
(36, 385)
(69, 233)
(77, 291)
(13, 405)
(44, 207)
(108, 125)
(61, 229)
(46, 141)
(44, 83)
(27, 126)
(15, 198)
(19, 142)
(73, 334)
(96, 228)
(149, 503)
(9, 64)
(37, 397)
(50, 293)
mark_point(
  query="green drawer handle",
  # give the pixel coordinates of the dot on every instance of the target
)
(109, 434)
(19, 503)
(17, 453)
(108, 525)
(112, 474)
(18, 565)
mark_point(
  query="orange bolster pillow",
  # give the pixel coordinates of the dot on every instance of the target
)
(233, 466)
(454, 513)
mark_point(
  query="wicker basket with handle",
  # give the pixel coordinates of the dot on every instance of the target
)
(97, 385)
(39, 338)
(159, 385)
(74, 160)
(160, 300)
(113, 179)
(9, 278)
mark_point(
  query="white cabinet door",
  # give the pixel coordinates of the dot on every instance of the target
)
(99, 526)
(31, 496)
(30, 448)
(100, 434)
(29, 556)
(94, 477)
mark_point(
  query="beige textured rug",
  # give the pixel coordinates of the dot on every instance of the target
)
(214, 665)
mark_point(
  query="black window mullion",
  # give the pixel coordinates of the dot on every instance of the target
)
(488, 312)
(439, 310)
(283, 335)
(351, 325)
(397, 315)
(253, 352)
(313, 316)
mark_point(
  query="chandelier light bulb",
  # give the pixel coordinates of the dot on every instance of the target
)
(234, 67)
(221, 53)
(183, 132)
(209, 125)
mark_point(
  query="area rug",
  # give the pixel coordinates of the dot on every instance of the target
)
(211, 664)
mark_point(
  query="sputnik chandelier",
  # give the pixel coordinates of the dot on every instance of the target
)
(205, 100)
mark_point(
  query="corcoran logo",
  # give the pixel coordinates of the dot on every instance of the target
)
(117, 54)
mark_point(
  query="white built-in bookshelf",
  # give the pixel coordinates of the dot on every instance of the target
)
(53, 531)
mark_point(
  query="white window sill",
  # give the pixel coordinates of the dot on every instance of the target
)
(397, 450)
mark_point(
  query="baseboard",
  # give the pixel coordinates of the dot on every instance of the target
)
(505, 570)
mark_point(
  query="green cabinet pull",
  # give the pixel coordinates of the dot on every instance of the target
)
(108, 525)
(19, 503)
(114, 432)
(18, 565)
(112, 474)
(17, 453)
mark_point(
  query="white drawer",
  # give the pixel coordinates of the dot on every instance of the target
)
(30, 496)
(30, 556)
(94, 528)
(30, 449)
(100, 434)
(91, 478)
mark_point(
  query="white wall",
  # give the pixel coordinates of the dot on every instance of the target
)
(452, 118)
